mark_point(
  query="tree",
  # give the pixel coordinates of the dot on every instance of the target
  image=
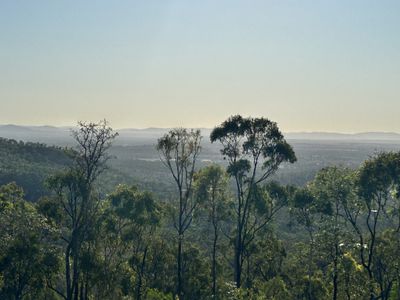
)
(254, 148)
(211, 188)
(134, 217)
(178, 150)
(27, 246)
(267, 256)
(377, 186)
(306, 207)
(74, 192)
(334, 186)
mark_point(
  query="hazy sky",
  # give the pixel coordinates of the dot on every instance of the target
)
(309, 65)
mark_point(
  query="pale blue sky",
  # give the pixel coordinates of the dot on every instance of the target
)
(309, 65)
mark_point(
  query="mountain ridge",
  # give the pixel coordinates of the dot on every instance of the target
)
(48, 133)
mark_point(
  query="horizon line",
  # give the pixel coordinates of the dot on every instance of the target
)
(206, 128)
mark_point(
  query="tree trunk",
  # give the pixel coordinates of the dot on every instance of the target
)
(75, 275)
(238, 265)
(179, 259)
(335, 279)
(140, 276)
(311, 253)
(82, 292)
(335, 259)
(347, 280)
(68, 272)
(238, 246)
(214, 264)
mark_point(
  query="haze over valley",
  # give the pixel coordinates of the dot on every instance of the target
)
(200, 150)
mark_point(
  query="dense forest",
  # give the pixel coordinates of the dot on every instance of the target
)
(73, 227)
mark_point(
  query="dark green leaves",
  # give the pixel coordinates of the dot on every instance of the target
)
(255, 140)
(379, 174)
(138, 207)
(239, 168)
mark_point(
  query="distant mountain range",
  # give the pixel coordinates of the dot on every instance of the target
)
(362, 136)
(43, 134)
(62, 135)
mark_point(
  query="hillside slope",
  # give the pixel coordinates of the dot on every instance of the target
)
(29, 164)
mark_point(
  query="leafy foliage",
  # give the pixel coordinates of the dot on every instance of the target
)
(78, 242)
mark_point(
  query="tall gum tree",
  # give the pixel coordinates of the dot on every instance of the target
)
(333, 186)
(254, 149)
(74, 193)
(178, 150)
(212, 190)
(377, 184)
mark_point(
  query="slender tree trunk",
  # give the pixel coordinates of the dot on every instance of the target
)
(17, 294)
(179, 290)
(214, 263)
(335, 279)
(179, 259)
(347, 278)
(237, 251)
(335, 259)
(81, 297)
(140, 276)
(68, 272)
(398, 250)
(248, 280)
(238, 243)
(76, 291)
(398, 285)
(75, 278)
(311, 253)
(371, 287)
(237, 263)
(86, 290)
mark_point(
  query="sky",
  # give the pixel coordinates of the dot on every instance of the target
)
(309, 65)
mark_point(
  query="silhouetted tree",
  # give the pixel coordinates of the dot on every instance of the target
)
(212, 190)
(178, 151)
(254, 148)
(74, 191)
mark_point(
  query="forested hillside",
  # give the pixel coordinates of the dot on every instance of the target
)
(29, 164)
(233, 218)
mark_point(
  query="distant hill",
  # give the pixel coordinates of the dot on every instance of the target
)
(131, 136)
(43, 134)
(62, 135)
(29, 164)
(362, 136)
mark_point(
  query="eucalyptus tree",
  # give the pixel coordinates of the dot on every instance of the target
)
(334, 186)
(377, 185)
(28, 255)
(270, 198)
(254, 149)
(305, 209)
(179, 150)
(132, 219)
(74, 193)
(212, 191)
